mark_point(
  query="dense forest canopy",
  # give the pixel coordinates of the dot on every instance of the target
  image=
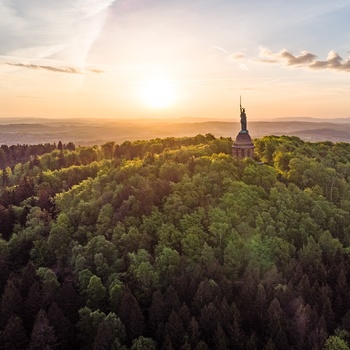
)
(175, 244)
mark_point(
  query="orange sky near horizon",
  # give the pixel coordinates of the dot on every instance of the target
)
(150, 59)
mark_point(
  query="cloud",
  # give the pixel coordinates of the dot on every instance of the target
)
(220, 49)
(237, 56)
(63, 30)
(71, 70)
(333, 61)
(97, 71)
(306, 59)
(303, 59)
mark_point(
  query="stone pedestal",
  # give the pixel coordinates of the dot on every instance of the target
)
(243, 147)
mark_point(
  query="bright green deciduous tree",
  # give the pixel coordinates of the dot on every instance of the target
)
(96, 293)
(335, 343)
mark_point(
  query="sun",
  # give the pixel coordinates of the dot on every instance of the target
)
(157, 93)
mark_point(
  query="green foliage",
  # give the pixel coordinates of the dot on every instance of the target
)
(143, 343)
(172, 243)
(335, 343)
(96, 293)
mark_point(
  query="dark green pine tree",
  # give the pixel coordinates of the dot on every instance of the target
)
(11, 302)
(32, 304)
(4, 273)
(43, 334)
(220, 339)
(202, 345)
(6, 222)
(171, 301)
(276, 324)
(193, 329)
(131, 316)
(70, 301)
(236, 334)
(270, 345)
(342, 292)
(260, 310)
(64, 329)
(143, 343)
(346, 321)
(28, 277)
(61, 160)
(184, 314)
(110, 334)
(14, 336)
(175, 329)
(252, 342)
(208, 320)
(156, 312)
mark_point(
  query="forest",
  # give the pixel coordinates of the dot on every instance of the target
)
(174, 244)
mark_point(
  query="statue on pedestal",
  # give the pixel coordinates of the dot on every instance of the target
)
(243, 118)
(243, 146)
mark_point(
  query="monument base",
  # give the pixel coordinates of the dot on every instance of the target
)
(243, 147)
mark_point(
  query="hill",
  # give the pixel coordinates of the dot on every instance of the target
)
(98, 131)
(174, 244)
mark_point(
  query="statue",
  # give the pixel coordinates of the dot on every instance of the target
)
(243, 118)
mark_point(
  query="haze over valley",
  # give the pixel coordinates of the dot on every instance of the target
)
(99, 131)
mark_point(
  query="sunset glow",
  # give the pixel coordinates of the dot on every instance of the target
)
(92, 58)
(157, 93)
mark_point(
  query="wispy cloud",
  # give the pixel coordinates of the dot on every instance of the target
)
(237, 56)
(305, 59)
(220, 49)
(50, 68)
(71, 70)
(97, 71)
(63, 30)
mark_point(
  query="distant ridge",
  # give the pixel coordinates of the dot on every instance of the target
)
(323, 135)
(98, 131)
(312, 119)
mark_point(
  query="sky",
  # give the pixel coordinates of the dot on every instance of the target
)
(128, 59)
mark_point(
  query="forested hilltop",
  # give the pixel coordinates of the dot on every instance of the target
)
(174, 244)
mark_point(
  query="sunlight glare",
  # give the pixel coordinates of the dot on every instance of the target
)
(157, 93)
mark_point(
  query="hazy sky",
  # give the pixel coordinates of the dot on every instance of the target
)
(106, 58)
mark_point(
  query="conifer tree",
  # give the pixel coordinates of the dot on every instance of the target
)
(11, 302)
(131, 316)
(14, 336)
(43, 334)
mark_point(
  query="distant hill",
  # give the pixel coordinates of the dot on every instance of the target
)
(323, 135)
(313, 120)
(99, 131)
